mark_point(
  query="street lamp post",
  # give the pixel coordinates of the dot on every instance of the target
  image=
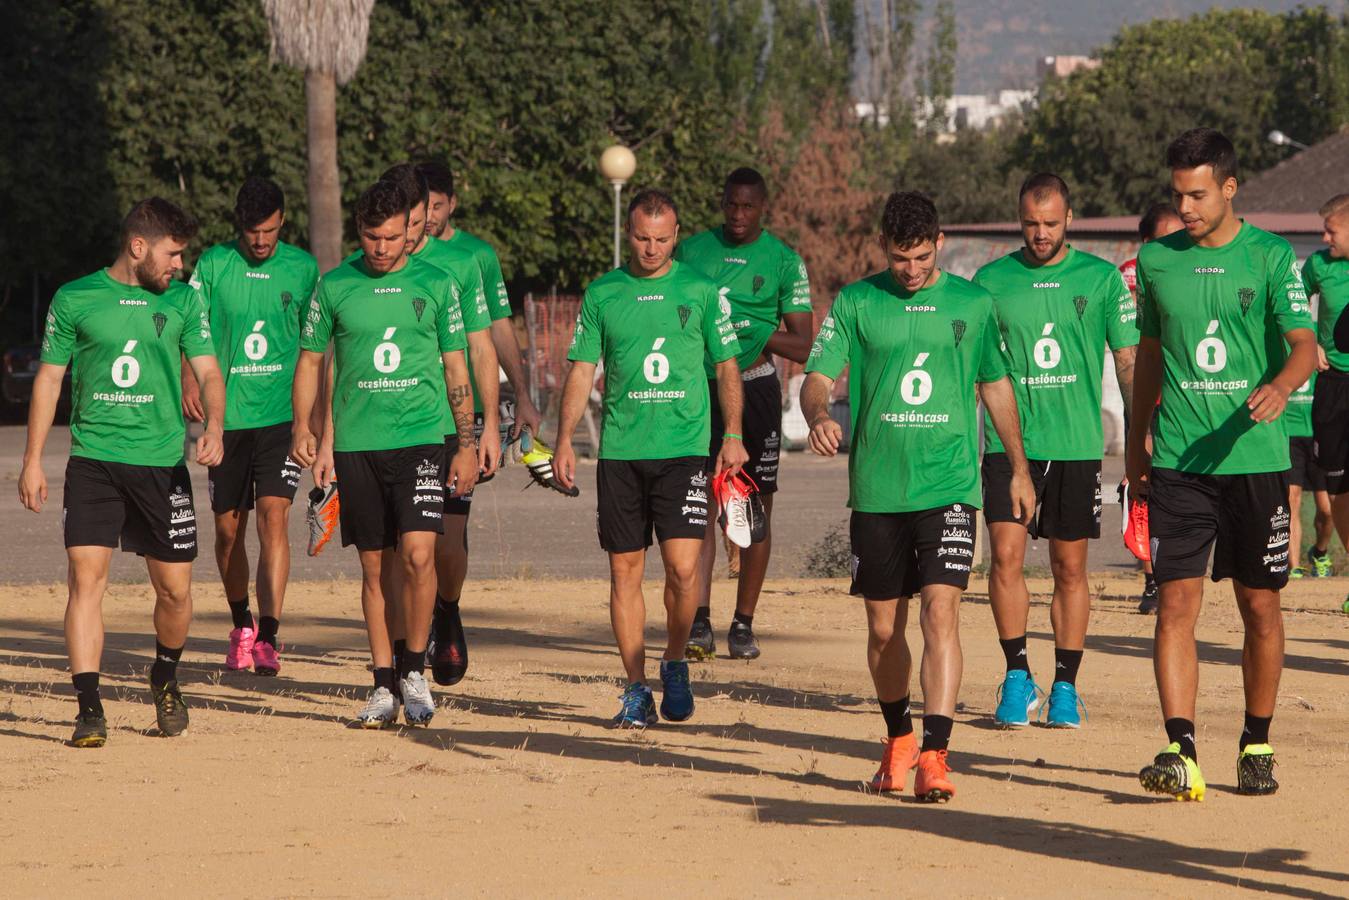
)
(617, 165)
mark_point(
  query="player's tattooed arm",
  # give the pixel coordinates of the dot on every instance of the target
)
(461, 472)
(1124, 374)
(1000, 401)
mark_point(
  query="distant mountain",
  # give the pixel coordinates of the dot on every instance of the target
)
(1000, 40)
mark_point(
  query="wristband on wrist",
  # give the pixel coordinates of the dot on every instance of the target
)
(731, 434)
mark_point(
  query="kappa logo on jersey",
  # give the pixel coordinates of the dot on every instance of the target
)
(684, 312)
(286, 299)
(958, 327)
(160, 321)
(758, 283)
(1080, 304)
(1245, 296)
(419, 306)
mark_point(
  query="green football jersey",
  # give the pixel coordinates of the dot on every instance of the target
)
(493, 282)
(388, 333)
(256, 311)
(466, 285)
(915, 359)
(1328, 277)
(763, 279)
(654, 336)
(1056, 322)
(1220, 314)
(125, 346)
(1297, 418)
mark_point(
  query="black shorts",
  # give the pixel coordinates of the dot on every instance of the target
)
(387, 493)
(761, 424)
(1067, 496)
(636, 496)
(148, 507)
(1305, 473)
(1246, 515)
(1330, 428)
(257, 463)
(898, 554)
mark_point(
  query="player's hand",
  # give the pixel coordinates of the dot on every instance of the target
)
(826, 436)
(731, 457)
(210, 448)
(324, 469)
(1321, 362)
(526, 416)
(564, 464)
(489, 447)
(462, 472)
(193, 411)
(1137, 470)
(1267, 402)
(303, 445)
(1023, 497)
(33, 487)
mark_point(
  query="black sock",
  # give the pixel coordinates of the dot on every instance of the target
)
(86, 693)
(412, 661)
(445, 619)
(1066, 664)
(747, 621)
(240, 613)
(936, 732)
(1256, 731)
(384, 677)
(1317, 551)
(399, 648)
(1149, 581)
(898, 720)
(704, 614)
(1014, 650)
(165, 668)
(267, 626)
(1181, 731)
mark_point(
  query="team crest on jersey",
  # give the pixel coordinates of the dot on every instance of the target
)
(684, 313)
(286, 299)
(958, 330)
(758, 283)
(1247, 297)
(160, 321)
(1080, 304)
(419, 307)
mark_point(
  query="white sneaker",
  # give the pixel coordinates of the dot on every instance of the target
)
(418, 704)
(734, 517)
(380, 710)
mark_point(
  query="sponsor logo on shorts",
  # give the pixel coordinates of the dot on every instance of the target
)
(182, 532)
(430, 484)
(1275, 557)
(431, 514)
(1279, 520)
(191, 545)
(957, 515)
(182, 515)
(773, 441)
(428, 469)
(427, 498)
(955, 551)
(693, 521)
(695, 510)
(179, 498)
(698, 479)
(956, 534)
(958, 567)
(1278, 539)
(854, 562)
(696, 496)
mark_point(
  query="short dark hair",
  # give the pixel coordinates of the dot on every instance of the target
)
(411, 182)
(653, 202)
(257, 200)
(155, 218)
(1203, 147)
(745, 177)
(438, 176)
(379, 203)
(1147, 226)
(909, 218)
(1041, 185)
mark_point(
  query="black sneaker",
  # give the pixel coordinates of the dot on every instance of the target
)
(1147, 604)
(449, 659)
(741, 643)
(91, 730)
(1255, 770)
(701, 644)
(170, 710)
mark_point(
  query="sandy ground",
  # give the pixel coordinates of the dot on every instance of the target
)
(519, 788)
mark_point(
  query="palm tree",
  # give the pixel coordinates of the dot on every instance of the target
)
(326, 40)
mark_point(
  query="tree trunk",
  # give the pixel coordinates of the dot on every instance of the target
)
(325, 191)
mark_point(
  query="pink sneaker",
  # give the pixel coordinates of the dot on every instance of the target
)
(266, 659)
(240, 652)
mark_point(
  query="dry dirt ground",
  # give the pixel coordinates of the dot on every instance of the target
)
(519, 788)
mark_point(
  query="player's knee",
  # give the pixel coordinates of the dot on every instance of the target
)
(419, 560)
(880, 634)
(682, 576)
(1005, 560)
(1069, 571)
(273, 518)
(175, 597)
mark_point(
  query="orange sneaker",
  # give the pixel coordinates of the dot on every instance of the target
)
(931, 783)
(901, 755)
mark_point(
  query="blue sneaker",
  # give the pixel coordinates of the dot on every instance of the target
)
(1017, 699)
(639, 708)
(676, 702)
(1064, 705)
